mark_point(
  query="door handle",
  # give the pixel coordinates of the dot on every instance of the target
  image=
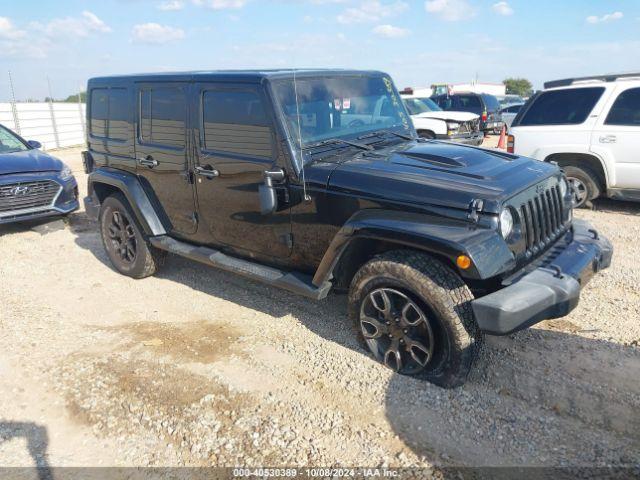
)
(608, 139)
(149, 161)
(209, 172)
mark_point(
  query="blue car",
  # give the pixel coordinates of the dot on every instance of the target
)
(32, 183)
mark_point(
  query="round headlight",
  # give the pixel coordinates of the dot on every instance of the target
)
(563, 187)
(506, 223)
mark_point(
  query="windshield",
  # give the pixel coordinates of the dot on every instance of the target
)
(340, 107)
(9, 143)
(416, 106)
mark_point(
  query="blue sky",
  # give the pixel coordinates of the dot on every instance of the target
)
(417, 42)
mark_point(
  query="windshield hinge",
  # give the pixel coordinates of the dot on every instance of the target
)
(475, 207)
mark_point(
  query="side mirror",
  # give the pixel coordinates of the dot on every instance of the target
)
(268, 196)
(34, 144)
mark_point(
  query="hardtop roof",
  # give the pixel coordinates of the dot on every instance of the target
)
(246, 76)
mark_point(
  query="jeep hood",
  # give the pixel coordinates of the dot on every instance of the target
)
(439, 173)
(29, 161)
(457, 116)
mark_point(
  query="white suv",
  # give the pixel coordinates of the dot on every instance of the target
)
(430, 121)
(591, 128)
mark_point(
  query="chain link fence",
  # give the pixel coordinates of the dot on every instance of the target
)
(55, 124)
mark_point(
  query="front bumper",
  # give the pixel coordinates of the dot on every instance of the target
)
(475, 138)
(65, 200)
(549, 291)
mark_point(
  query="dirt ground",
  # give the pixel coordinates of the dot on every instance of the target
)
(198, 367)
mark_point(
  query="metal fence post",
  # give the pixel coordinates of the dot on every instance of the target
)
(82, 119)
(53, 116)
(14, 107)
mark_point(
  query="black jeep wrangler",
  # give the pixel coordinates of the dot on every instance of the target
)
(315, 181)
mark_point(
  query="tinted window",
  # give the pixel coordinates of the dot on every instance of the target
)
(445, 102)
(626, 109)
(512, 109)
(562, 107)
(491, 102)
(236, 122)
(117, 124)
(162, 116)
(109, 113)
(99, 111)
(469, 103)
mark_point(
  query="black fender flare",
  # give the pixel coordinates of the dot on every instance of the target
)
(432, 234)
(132, 189)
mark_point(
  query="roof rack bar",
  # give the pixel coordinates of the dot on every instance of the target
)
(605, 78)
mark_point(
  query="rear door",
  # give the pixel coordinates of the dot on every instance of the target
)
(162, 156)
(236, 144)
(617, 137)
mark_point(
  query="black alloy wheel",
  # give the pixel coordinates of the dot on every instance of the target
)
(397, 331)
(122, 237)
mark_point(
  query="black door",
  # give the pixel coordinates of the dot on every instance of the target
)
(162, 152)
(236, 144)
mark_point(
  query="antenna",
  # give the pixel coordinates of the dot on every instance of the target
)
(307, 198)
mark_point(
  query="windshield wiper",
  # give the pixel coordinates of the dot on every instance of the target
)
(379, 133)
(330, 141)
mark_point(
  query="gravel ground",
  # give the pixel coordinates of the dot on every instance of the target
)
(198, 367)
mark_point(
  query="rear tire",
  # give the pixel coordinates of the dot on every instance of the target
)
(584, 183)
(414, 315)
(122, 237)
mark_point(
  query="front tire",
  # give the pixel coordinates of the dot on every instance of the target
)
(128, 250)
(414, 315)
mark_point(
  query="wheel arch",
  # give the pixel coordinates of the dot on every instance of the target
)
(594, 163)
(419, 131)
(105, 182)
(371, 232)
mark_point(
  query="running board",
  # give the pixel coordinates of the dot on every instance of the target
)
(294, 282)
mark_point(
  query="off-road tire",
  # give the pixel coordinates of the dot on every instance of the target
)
(439, 289)
(147, 258)
(588, 179)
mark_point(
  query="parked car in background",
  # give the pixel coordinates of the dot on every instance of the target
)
(591, 128)
(33, 184)
(507, 114)
(315, 180)
(482, 104)
(430, 121)
(507, 100)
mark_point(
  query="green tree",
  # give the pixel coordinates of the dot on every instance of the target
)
(518, 86)
(74, 98)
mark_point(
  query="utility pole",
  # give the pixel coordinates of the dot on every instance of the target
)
(14, 108)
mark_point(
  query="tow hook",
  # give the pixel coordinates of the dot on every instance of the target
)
(557, 271)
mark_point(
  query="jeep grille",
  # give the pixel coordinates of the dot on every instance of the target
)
(541, 218)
